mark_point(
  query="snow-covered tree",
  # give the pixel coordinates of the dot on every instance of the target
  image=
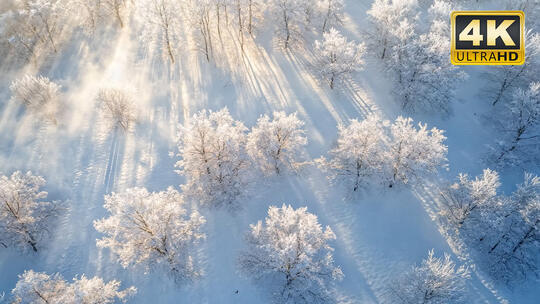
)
(152, 229)
(502, 231)
(337, 58)
(200, 19)
(389, 18)
(512, 240)
(289, 253)
(435, 281)
(118, 107)
(293, 17)
(504, 80)
(253, 14)
(331, 12)
(25, 218)
(35, 27)
(520, 126)
(416, 61)
(41, 288)
(465, 196)
(359, 153)
(38, 94)
(277, 145)
(117, 9)
(374, 151)
(414, 152)
(212, 148)
(90, 13)
(161, 25)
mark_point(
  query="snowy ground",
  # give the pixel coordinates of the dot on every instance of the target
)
(377, 236)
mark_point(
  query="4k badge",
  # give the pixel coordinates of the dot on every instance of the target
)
(487, 37)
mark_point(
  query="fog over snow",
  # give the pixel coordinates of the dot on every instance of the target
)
(254, 151)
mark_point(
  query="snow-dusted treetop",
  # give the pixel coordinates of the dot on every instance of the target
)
(152, 229)
(38, 94)
(212, 148)
(41, 288)
(25, 218)
(277, 144)
(414, 151)
(290, 253)
(435, 281)
(375, 151)
(118, 107)
(337, 58)
(358, 156)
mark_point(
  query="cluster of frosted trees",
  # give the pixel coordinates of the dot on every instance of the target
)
(41, 27)
(373, 151)
(501, 230)
(38, 287)
(415, 56)
(218, 154)
(513, 91)
(157, 230)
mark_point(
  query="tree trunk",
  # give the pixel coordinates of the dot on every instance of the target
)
(287, 31)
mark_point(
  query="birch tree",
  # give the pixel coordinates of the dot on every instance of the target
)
(35, 27)
(332, 13)
(117, 9)
(161, 25)
(519, 127)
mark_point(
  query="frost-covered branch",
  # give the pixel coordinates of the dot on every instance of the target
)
(290, 255)
(25, 219)
(152, 229)
(38, 287)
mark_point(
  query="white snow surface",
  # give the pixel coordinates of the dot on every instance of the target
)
(378, 235)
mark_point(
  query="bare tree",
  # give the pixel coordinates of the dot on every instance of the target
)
(118, 107)
(332, 13)
(38, 94)
(161, 25)
(117, 9)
